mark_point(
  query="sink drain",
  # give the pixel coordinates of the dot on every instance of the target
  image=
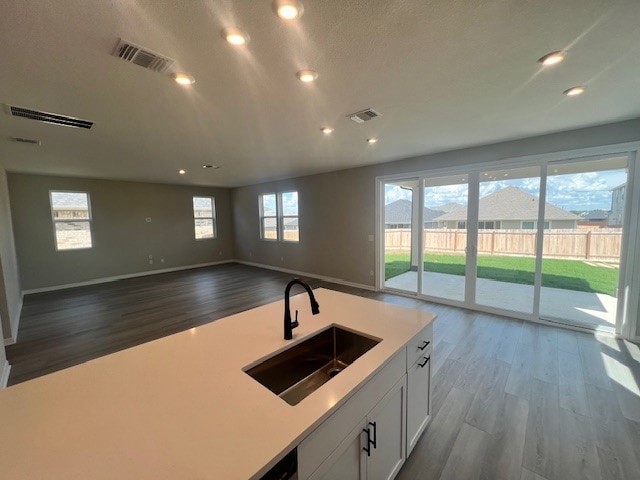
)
(334, 371)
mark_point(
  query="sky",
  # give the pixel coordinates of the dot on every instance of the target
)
(289, 203)
(578, 191)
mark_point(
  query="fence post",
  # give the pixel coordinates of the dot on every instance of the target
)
(587, 253)
(493, 241)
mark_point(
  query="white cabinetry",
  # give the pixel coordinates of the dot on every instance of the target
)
(372, 433)
(387, 426)
(418, 385)
(375, 449)
(418, 400)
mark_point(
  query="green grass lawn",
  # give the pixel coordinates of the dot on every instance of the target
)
(567, 274)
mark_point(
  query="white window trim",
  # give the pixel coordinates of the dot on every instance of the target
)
(54, 220)
(262, 216)
(212, 218)
(282, 216)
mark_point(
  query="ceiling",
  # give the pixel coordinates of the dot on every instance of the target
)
(443, 74)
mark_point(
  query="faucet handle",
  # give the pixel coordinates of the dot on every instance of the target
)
(295, 323)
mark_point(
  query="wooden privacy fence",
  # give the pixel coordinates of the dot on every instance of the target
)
(601, 244)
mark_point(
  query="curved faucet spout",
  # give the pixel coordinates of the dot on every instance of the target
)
(315, 308)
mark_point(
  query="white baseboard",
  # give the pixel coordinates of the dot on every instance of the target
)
(4, 375)
(339, 281)
(123, 277)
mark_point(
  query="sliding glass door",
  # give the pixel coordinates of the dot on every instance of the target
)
(583, 232)
(507, 218)
(444, 233)
(540, 242)
(400, 235)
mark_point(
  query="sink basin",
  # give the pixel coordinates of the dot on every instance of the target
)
(302, 369)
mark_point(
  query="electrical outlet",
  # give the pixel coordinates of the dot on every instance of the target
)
(371, 272)
(282, 259)
(150, 262)
(162, 260)
(371, 238)
(150, 257)
(148, 219)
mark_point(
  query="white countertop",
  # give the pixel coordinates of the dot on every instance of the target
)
(181, 406)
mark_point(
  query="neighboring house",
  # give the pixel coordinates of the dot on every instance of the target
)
(617, 205)
(511, 208)
(594, 219)
(398, 214)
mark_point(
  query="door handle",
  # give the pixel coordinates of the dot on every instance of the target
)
(424, 345)
(370, 442)
(426, 360)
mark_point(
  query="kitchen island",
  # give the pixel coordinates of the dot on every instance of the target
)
(183, 406)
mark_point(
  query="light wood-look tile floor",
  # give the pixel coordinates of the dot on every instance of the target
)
(511, 399)
(516, 400)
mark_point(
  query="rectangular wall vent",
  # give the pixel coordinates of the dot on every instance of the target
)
(364, 115)
(26, 140)
(142, 56)
(46, 117)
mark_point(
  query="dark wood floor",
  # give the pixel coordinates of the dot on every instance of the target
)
(511, 399)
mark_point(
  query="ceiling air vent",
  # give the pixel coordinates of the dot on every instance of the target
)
(26, 140)
(364, 115)
(142, 56)
(46, 117)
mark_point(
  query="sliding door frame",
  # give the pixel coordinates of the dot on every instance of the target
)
(628, 301)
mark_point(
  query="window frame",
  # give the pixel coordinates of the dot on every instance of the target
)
(54, 221)
(282, 217)
(262, 217)
(213, 218)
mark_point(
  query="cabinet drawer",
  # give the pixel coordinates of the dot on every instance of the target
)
(323, 440)
(420, 345)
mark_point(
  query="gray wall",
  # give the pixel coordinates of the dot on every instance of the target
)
(10, 289)
(122, 238)
(337, 210)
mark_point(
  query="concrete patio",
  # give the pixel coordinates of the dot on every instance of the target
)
(592, 310)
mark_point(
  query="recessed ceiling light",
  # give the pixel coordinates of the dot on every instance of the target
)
(552, 58)
(215, 167)
(327, 130)
(372, 140)
(182, 171)
(288, 9)
(573, 91)
(183, 79)
(307, 76)
(235, 36)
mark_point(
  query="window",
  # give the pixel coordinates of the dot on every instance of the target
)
(268, 217)
(528, 225)
(531, 225)
(487, 225)
(204, 217)
(71, 214)
(462, 225)
(289, 219)
(279, 216)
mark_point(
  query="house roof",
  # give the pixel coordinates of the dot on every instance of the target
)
(510, 203)
(399, 211)
(595, 215)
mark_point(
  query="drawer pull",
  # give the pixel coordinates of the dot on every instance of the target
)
(424, 363)
(424, 345)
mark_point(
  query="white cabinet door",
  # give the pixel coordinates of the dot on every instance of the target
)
(386, 424)
(418, 400)
(348, 461)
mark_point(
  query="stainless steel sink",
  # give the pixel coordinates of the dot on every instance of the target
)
(302, 369)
